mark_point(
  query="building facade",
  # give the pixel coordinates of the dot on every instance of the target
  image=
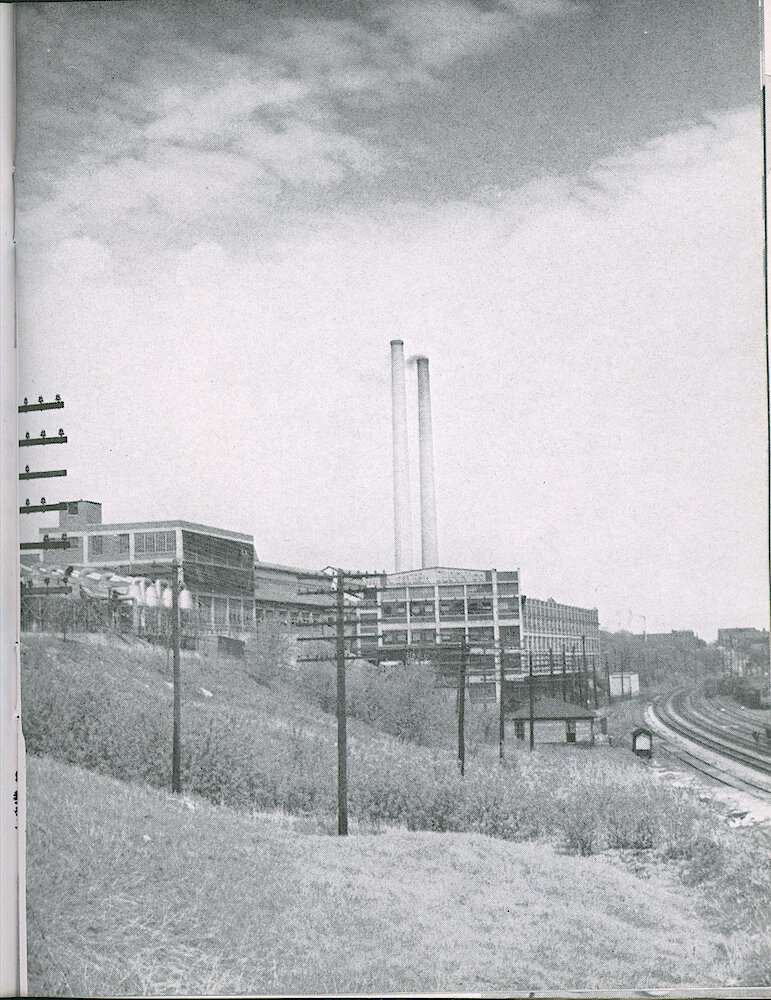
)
(421, 613)
(559, 634)
(226, 589)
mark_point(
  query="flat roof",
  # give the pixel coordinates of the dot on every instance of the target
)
(294, 570)
(149, 526)
(550, 709)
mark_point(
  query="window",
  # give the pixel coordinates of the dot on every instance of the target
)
(394, 610)
(519, 728)
(95, 545)
(149, 542)
(509, 635)
(123, 545)
(480, 607)
(395, 638)
(570, 730)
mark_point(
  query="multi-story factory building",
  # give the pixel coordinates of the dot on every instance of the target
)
(217, 566)
(424, 609)
(225, 588)
(561, 631)
(414, 614)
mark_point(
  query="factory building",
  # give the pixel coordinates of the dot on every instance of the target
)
(425, 614)
(559, 630)
(426, 609)
(225, 588)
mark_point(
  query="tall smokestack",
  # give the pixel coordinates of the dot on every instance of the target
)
(428, 534)
(402, 518)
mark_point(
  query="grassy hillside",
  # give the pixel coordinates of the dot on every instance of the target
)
(257, 745)
(131, 891)
(420, 912)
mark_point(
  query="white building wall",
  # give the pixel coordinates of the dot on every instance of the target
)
(548, 730)
(583, 730)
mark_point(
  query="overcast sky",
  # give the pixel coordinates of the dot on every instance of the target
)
(226, 211)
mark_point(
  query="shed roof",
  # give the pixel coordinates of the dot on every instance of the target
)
(551, 708)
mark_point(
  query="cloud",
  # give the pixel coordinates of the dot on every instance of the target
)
(596, 345)
(439, 32)
(188, 129)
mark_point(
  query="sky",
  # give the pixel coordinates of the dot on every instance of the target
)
(226, 212)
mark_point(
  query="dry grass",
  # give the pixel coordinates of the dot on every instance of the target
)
(258, 747)
(193, 898)
(266, 749)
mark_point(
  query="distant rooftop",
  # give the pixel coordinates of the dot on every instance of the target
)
(97, 529)
(552, 709)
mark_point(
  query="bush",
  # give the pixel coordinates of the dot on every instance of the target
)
(269, 655)
(251, 758)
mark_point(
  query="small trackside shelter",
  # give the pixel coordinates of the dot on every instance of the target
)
(554, 721)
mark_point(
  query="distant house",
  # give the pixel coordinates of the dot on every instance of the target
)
(554, 721)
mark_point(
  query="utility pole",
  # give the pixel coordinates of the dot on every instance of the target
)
(584, 673)
(530, 697)
(501, 711)
(342, 741)
(176, 732)
(462, 706)
(564, 671)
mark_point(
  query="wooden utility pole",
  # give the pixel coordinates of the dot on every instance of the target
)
(462, 705)
(530, 697)
(584, 674)
(564, 671)
(501, 711)
(342, 741)
(176, 732)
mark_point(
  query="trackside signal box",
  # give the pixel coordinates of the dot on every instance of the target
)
(642, 743)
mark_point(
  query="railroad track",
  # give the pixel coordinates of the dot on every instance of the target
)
(730, 738)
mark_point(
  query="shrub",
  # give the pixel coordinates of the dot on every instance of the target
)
(248, 758)
(269, 655)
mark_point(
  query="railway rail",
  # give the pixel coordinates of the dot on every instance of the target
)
(731, 738)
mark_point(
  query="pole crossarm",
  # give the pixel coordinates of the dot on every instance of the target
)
(31, 442)
(59, 543)
(45, 474)
(26, 407)
(41, 508)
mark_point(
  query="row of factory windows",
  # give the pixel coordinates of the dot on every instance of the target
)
(508, 635)
(239, 614)
(558, 644)
(472, 607)
(196, 547)
(546, 614)
(112, 546)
